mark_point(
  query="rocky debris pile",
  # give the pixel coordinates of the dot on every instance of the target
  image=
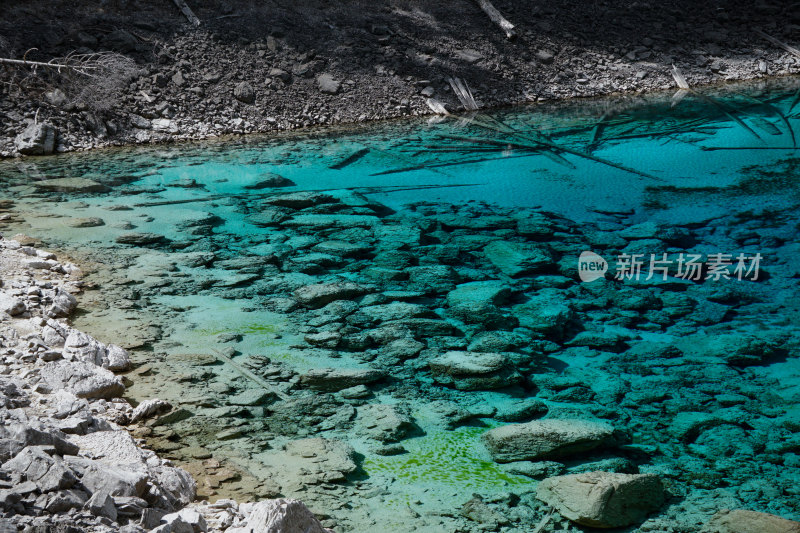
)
(66, 458)
(270, 69)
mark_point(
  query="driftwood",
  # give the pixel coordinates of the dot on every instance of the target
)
(350, 159)
(498, 18)
(251, 376)
(462, 92)
(780, 44)
(187, 12)
(94, 65)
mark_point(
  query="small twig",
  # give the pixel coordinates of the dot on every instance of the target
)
(546, 520)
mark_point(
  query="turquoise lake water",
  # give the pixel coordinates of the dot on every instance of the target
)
(190, 252)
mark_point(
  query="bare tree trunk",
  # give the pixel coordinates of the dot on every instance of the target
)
(498, 18)
(188, 13)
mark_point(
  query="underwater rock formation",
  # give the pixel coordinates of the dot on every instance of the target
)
(603, 499)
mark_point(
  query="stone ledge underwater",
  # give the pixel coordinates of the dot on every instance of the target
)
(391, 324)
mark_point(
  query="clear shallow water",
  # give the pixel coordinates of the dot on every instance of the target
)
(648, 178)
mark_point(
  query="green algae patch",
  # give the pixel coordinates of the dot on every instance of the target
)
(454, 458)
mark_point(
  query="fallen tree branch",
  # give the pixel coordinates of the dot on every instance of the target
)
(187, 12)
(498, 19)
(780, 44)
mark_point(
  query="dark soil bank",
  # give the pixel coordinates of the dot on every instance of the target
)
(267, 66)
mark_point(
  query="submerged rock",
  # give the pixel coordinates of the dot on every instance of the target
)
(140, 239)
(77, 185)
(603, 499)
(269, 180)
(474, 371)
(543, 439)
(336, 379)
(318, 295)
(743, 521)
(325, 460)
(385, 423)
(548, 312)
(515, 259)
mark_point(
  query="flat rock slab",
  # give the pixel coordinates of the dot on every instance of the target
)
(140, 239)
(85, 222)
(84, 380)
(742, 521)
(332, 221)
(515, 259)
(71, 185)
(336, 379)
(544, 439)
(320, 294)
(604, 499)
(474, 370)
(268, 180)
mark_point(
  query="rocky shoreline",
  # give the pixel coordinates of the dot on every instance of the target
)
(253, 69)
(67, 459)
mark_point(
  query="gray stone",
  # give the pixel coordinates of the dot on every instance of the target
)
(269, 180)
(74, 185)
(744, 521)
(603, 499)
(102, 504)
(36, 139)
(149, 408)
(385, 423)
(12, 306)
(336, 379)
(79, 346)
(85, 380)
(474, 371)
(188, 520)
(48, 473)
(63, 304)
(544, 439)
(548, 312)
(85, 222)
(244, 93)
(113, 480)
(515, 259)
(327, 84)
(140, 239)
(281, 515)
(318, 295)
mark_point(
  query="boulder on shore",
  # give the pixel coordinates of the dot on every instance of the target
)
(36, 139)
